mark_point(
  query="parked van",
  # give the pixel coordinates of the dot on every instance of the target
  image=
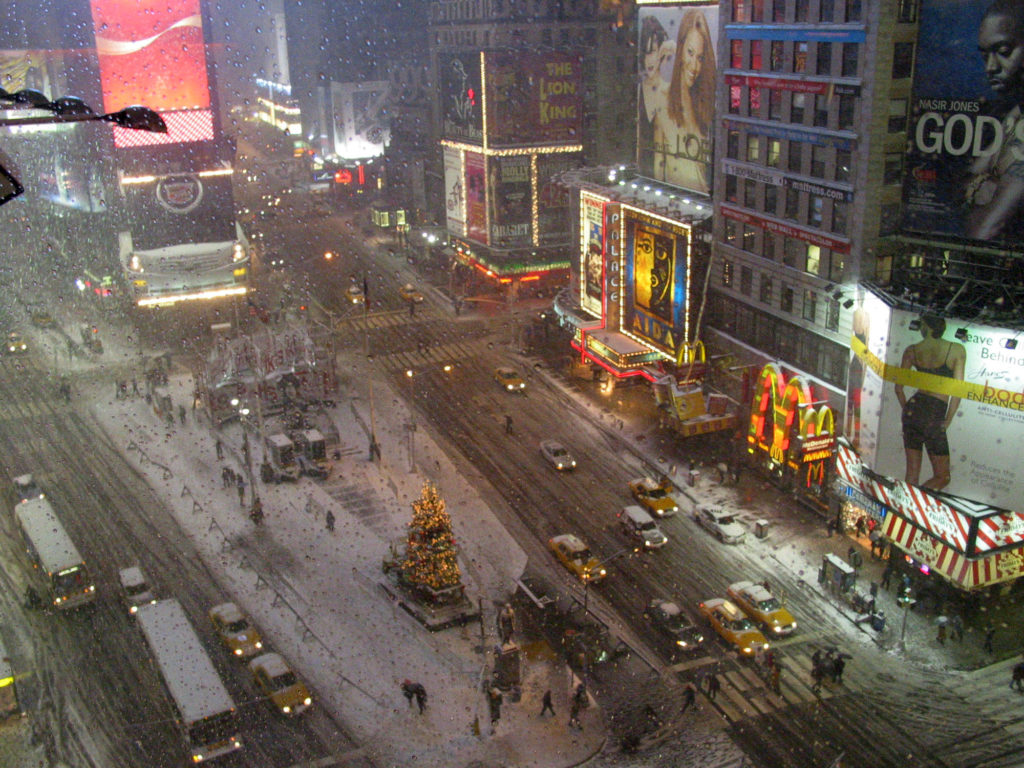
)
(637, 523)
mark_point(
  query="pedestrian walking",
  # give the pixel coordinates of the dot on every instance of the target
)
(508, 424)
(830, 527)
(990, 633)
(181, 413)
(225, 477)
(1017, 678)
(874, 538)
(776, 679)
(135, 387)
(546, 705)
(494, 702)
(240, 484)
(714, 686)
(956, 629)
(838, 665)
(65, 391)
(330, 521)
(689, 697)
(219, 448)
(816, 675)
(887, 574)
(408, 690)
(862, 526)
(941, 622)
(574, 715)
(412, 309)
(421, 696)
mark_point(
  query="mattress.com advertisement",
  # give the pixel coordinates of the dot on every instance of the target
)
(941, 404)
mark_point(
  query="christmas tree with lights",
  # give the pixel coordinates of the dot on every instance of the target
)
(430, 565)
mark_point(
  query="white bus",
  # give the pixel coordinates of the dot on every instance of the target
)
(205, 711)
(54, 555)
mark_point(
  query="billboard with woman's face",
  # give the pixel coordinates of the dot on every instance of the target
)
(676, 93)
(942, 405)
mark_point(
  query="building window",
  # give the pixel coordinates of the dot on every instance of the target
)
(889, 219)
(771, 198)
(732, 145)
(757, 11)
(753, 148)
(765, 293)
(821, 110)
(768, 246)
(749, 238)
(818, 155)
(735, 98)
(774, 104)
(727, 273)
(755, 102)
(840, 216)
(731, 232)
(796, 110)
(778, 58)
(812, 260)
(906, 11)
(851, 52)
(731, 188)
(786, 298)
(902, 61)
(893, 172)
(774, 150)
(853, 10)
(844, 161)
(803, 10)
(810, 306)
(827, 11)
(800, 57)
(847, 105)
(756, 46)
(824, 58)
(736, 47)
(897, 115)
(796, 156)
(749, 193)
(746, 280)
(815, 207)
(737, 10)
(779, 11)
(832, 315)
(794, 252)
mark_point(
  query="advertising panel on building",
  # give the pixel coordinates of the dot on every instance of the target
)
(454, 199)
(554, 201)
(966, 133)
(676, 93)
(510, 200)
(154, 54)
(462, 111)
(592, 254)
(476, 197)
(942, 406)
(533, 98)
(656, 280)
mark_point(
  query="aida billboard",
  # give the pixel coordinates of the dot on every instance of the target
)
(533, 98)
(966, 136)
(941, 404)
(461, 108)
(676, 93)
(656, 280)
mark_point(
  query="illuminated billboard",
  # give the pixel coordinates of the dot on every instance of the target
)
(966, 136)
(554, 201)
(454, 199)
(361, 125)
(533, 98)
(476, 196)
(592, 254)
(941, 405)
(461, 108)
(151, 52)
(656, 280)
(676, 93)
(510, 200)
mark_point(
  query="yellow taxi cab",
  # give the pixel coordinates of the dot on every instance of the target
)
(733, 626)
(279, 684)
(762, 606)
(509, 380)
(653, 496)
(409, 293)
(576, 556)
(238, 635)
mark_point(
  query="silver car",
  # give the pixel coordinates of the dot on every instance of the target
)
(721, 523)
(557, 455)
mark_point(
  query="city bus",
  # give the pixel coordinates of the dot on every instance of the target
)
(54, 556)
(204, 709)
